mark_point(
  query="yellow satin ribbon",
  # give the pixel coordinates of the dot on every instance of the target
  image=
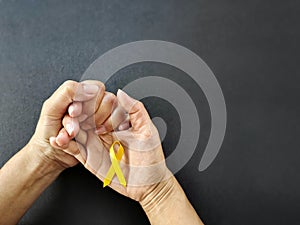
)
(115, 166)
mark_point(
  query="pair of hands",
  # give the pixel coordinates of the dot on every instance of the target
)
(79, 123)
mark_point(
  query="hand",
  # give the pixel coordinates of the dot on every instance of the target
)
(50, 122)
(143, 163)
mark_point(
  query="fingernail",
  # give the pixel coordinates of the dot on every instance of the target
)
(70, 128)
(52, 139)
(107, 97)
(90, 88)
(120, 91)
(124, 126)
(58, 139)
(59, 136)
(124, 95)
(101, 130)
(71, 109)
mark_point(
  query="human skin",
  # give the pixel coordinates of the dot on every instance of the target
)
(28, 173)
(163, 199)
(52, 149)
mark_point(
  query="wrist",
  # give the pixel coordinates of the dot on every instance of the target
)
(26, 175)
(168, 204)
(159, 196)
(41, 155)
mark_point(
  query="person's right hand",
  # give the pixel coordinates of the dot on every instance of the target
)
(50, 123)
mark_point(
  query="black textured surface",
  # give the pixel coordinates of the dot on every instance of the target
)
(251, 46)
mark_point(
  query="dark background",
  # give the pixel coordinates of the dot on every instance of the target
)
(251, 46)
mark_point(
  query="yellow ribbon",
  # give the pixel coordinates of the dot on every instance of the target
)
(115, 166)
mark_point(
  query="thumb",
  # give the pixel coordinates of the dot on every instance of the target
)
(70, 91)
(138, 115)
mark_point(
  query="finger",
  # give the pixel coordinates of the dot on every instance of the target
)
(124, 126)
(63, 139)
(71, 125)
(53, 143)
(118, 116)
(103, 112)
(139, 117)
(75, 109)
(82, 137)
(74, 149)
(70, 91)
(91, 106)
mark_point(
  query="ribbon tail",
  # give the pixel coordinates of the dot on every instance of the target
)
(117, 169)
(106, 182)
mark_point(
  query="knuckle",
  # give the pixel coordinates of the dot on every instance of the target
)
(110, 98)
(46, 104)
(139, 105)
(69, 83)
(69, 88)
(101, 85)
